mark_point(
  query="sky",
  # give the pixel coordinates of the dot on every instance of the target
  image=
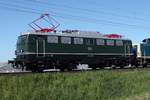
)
(129, 18)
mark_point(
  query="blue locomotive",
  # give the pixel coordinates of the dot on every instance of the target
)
(142, 51)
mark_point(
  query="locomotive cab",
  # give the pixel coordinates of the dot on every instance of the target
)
(30, 51)
(21, 45)
(21, 48)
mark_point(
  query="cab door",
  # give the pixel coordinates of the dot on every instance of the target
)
(40, 47)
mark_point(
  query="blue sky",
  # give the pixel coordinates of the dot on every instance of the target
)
(129, 18)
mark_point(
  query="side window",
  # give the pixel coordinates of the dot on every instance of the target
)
(52, 39)
(21, 39)
(89, 41)
(119, 43)
(110, 42)
(66, 40)
(100, 42)
(78, 40)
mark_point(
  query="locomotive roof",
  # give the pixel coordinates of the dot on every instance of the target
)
(72, 33)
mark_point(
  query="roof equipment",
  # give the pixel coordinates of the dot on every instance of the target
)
(53, 24)
(113, 36)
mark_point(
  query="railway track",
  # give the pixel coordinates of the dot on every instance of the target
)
(73, 71)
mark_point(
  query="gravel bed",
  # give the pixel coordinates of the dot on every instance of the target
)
(6, 68)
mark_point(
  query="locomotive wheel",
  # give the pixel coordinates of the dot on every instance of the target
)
(101, 67)
(144, 65)
(71, 66)
(40, 70)
(93, 66)
(62, 68)
(69, 69)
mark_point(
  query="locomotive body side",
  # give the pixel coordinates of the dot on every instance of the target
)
(37, 52)
(144, 54)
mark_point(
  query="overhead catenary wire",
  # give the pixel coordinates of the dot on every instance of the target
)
(42, 3)
(88, 10)
(19, 7)
(19, 10)
(91, 11)
(35, 11)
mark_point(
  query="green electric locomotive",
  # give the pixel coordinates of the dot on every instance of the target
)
(37, 51)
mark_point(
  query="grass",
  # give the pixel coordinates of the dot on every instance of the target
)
(97, 85)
